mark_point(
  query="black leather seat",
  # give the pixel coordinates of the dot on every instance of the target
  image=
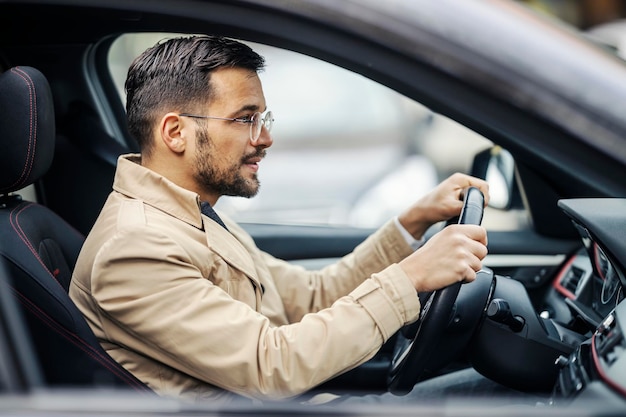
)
(39, 248)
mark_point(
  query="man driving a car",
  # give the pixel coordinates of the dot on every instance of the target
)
(183, 298)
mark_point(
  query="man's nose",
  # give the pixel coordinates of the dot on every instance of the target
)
(265, 138)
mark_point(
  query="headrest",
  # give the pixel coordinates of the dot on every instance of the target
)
(27, 130)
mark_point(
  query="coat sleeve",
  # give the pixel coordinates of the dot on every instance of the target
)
(153, 300)
(305, 291)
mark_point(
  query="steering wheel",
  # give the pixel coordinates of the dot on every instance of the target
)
(412, 353)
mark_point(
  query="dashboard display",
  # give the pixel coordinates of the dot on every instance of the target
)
(611, 292)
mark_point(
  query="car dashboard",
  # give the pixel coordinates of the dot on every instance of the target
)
(592, 284)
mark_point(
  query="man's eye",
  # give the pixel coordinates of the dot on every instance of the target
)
(245, 119)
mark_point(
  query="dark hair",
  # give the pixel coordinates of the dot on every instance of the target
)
(174, 75)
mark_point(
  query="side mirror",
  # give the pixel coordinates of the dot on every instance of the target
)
(497, 167)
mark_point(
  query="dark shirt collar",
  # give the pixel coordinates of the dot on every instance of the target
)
(208, 211)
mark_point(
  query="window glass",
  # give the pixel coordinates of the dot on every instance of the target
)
(347, 150)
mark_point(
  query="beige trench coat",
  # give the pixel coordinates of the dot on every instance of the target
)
(199, 312)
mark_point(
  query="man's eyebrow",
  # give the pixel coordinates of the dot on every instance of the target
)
(248, 107)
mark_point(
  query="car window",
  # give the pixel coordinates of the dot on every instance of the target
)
(347, 151)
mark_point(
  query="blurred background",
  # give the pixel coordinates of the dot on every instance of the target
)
(583, 14)
(604, 21)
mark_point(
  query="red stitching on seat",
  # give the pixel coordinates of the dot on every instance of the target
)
(32, 134)
(78, 342)
(13, 218)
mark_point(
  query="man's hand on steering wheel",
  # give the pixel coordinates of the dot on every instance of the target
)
(442, 203)
(450, 257)
(455, 253)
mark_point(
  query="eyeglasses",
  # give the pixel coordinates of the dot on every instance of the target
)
(256, 122)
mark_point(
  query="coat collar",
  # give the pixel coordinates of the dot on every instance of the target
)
(138, 182)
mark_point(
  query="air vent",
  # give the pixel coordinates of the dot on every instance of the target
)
(572, 278)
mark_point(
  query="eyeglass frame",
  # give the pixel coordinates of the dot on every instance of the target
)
(267, 121)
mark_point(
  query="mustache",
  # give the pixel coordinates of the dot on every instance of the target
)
(259, 153)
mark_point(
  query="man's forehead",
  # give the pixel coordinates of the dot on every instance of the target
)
(238, 88)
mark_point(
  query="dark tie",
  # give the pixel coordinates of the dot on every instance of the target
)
(208, 211)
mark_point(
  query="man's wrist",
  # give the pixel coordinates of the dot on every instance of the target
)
(410, 239)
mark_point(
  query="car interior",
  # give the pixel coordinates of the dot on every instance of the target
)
(545, 316)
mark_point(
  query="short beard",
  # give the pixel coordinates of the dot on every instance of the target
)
(227, 182)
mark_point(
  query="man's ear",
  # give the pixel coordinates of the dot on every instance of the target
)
(173, 132)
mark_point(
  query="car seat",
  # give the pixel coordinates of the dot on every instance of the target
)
(39, 248)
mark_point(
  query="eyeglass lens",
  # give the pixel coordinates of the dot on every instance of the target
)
(258, 122)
